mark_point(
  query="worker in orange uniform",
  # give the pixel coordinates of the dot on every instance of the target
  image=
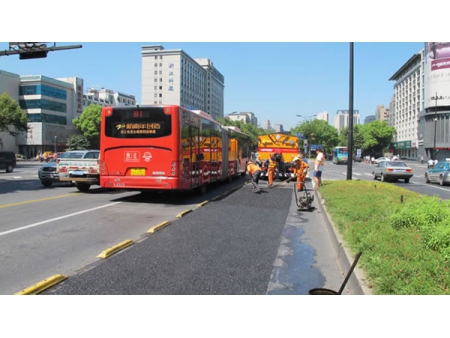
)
(300, 170)
(272, 165)
(255, 172)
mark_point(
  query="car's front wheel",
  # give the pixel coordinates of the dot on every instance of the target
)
(9, 168)
(427, 180)
(374, 176)
(382, 178)
(46, 183)
(441, 180)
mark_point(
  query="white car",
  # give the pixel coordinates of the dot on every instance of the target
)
(379, 159)
(392, 171)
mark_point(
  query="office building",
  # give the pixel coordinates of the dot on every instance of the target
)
(323, 116)
(382, 113)
(342, 117)
(51, 105)
(407, 104)
(173, 77)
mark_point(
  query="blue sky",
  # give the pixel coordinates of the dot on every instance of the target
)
(278, 62)
(276, 81)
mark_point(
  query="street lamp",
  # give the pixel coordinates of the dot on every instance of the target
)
(435, 98)
(55, 144)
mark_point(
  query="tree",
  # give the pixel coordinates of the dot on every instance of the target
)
(89, 124)
(78, 142)
(318, 132)
(377, 137)
(12, 115)
(358, 138)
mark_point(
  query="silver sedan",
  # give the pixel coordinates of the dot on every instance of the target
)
(392, 171)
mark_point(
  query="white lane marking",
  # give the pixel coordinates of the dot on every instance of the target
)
(55, 219)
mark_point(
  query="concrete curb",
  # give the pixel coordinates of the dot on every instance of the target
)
(357, 283)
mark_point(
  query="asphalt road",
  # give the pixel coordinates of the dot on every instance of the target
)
(241, 244)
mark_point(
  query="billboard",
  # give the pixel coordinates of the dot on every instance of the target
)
(437, 73)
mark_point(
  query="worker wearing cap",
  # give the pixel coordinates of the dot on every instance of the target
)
(300, 170)
(255, 172)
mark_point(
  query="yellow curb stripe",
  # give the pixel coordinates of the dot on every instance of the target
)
(158, 227)
(202, 204)
(42, 285)
(181, 214)
(108, 252)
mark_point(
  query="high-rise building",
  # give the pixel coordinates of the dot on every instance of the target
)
(369, 119)
(173, 77)
(246, 117)
(323, 116)
(342, 117)
(382, 113)
(407, 103)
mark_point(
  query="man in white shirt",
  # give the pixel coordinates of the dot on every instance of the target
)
(318, 167)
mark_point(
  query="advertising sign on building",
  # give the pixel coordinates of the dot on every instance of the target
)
(437, 73)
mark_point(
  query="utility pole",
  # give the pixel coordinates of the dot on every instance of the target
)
(350, 118)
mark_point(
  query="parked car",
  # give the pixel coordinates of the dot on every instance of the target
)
(379, 159)
(392, 171)
(7, 161)
(439, 173)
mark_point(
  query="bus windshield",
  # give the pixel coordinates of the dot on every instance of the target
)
(340, 155)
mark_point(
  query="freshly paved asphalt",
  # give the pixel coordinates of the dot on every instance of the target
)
(242, 244)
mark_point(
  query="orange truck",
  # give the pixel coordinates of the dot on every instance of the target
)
(287, 146)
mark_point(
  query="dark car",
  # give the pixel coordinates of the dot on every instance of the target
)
(7, 161)
(439, 173)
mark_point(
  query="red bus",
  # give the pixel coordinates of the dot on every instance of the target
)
(168, 147)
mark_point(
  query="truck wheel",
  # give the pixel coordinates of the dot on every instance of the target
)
(46, 183)
(82, 186)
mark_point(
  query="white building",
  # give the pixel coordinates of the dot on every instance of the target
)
(107, 97)
(246, 117)
(173, 77)
(407, 103)
(342, 117)
(323, 116)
